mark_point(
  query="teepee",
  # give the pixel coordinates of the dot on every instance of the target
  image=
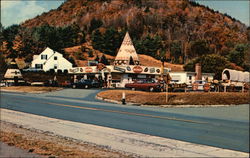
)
(13, 74)
(126, 52)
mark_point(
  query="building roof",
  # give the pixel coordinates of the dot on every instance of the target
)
(126, 51)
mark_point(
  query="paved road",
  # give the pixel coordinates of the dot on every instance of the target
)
(225, 127)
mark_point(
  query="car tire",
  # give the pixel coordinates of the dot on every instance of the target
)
(133, 89)
(86, 86)
(74, 86)
(151, 89)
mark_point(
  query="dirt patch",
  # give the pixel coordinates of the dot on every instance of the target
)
(30, 89)
(45, 144)
(193, 98)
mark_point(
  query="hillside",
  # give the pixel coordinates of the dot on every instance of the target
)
(180, 30)
(167, 18)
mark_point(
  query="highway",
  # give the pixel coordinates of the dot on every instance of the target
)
(224, 127)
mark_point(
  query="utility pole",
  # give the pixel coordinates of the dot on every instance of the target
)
(162, 78)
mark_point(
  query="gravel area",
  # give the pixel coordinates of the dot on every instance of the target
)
(45, 144)
(30, 89)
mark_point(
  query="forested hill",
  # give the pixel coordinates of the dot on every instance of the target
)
(177, 29)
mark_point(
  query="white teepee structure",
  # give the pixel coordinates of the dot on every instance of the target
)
(13, 74)
(126, 52)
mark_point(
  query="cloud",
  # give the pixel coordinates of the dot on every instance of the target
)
(15, 12)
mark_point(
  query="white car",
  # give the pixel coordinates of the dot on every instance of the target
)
(3, 84)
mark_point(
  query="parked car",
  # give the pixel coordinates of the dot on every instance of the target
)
(145, 84)
(86, 83)
(199, 85)
(3, 84)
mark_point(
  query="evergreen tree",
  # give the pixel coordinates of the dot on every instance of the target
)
(97, 58)
(95, 24)
(104, 60)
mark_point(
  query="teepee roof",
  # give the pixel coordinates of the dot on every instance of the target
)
(126, 51)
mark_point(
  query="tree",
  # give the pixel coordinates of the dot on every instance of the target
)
(90, 53)
(108, 42)
(97, 58)
(199, 48)
(9, 34)
(211, 63)
(237, 55)
(149, 46)
(3, 64)
(104, 60)
(175, 51)
(95, 24)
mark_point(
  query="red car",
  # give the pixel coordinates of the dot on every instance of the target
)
(145, 84)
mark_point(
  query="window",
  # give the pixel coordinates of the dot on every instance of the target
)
(39, 66)
(55, 66)
(55, 57)
(44, 57)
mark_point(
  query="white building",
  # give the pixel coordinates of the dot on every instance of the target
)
(50, 59)
(189, 77)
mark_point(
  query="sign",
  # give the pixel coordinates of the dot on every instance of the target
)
(128, 68)
(73, 70)
(152, 70)
(119, 69)
(137, 69)
(88, 69)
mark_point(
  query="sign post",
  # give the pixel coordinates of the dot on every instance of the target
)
(166, 80)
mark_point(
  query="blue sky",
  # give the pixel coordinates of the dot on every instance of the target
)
(17, 11)
(239, 9)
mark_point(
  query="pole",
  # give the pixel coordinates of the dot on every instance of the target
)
(166, 92)
(123, 98)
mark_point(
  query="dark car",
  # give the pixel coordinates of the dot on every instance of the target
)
(145, 84)
(86, 84)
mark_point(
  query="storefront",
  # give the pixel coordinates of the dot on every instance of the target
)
(117, 76)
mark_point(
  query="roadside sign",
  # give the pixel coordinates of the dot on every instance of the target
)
(88, 69)
(119, 69)
(137, 69)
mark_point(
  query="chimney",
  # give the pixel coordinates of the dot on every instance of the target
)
(198, 71)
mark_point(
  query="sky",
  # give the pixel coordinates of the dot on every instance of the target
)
(17, 11)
